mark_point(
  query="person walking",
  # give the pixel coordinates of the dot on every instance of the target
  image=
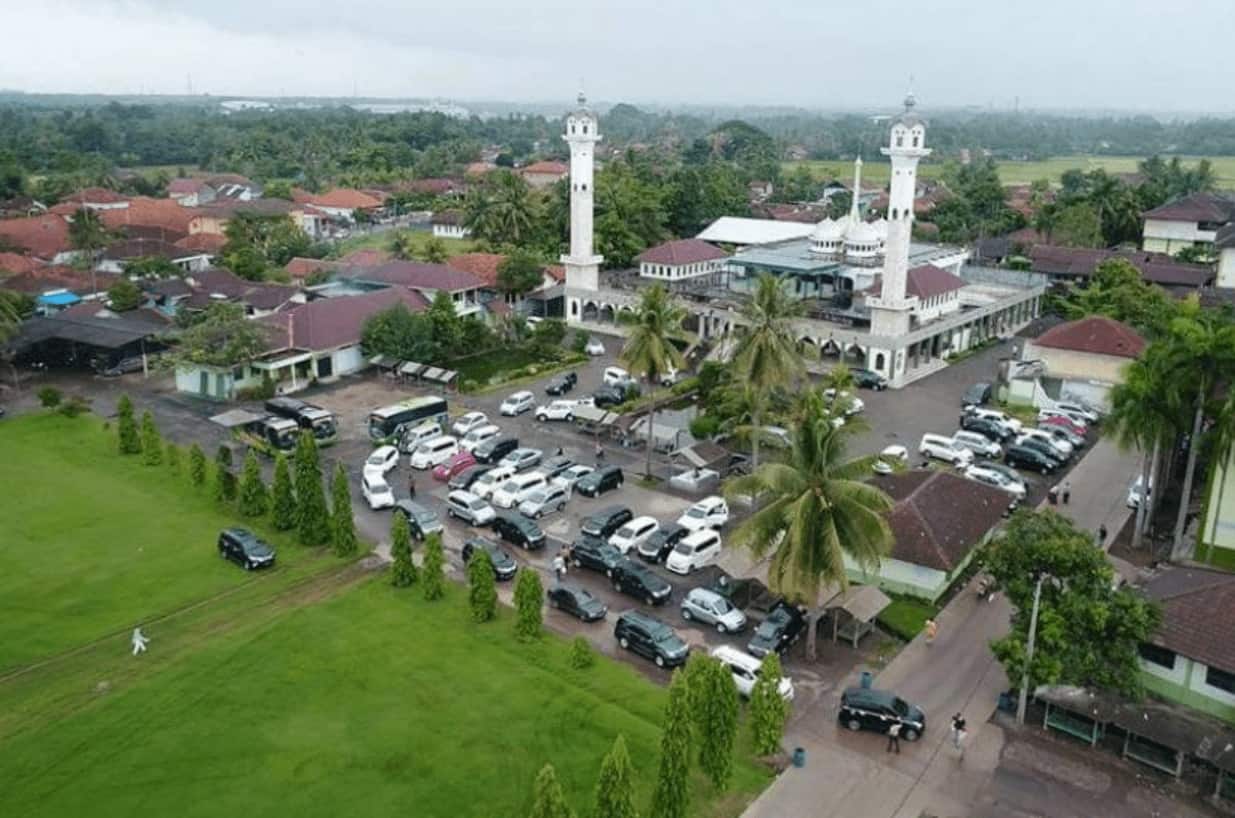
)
(139, 641)
(894, 738)
(600, 452)
(932, 630)
(1102, 535)
(958, 734)
(1066, 492)
(411, 486)
(559, 567)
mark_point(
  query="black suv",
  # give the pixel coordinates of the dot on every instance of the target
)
(864, 708)
(656, 547)
(648, 636)
(562, 384)
(421, 520)
(242, 547)
(606, 521)
(637, 580)
(989, 429)
(782, 627)
(519, 530)
(1026, 457)
(598, 482)
(595, 554)
(464, 479)
(869, 379)
(977, 395)
(576, 602)
(504, 565)
(608, 396)
(495, 448)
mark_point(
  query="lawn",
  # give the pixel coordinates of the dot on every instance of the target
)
(381, 241)
(479, 369)
(906, 616)
(370, 703)
(94, 543)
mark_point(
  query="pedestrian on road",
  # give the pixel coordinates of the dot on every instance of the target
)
(932, 629)
(600, 452)
(1066, 492)
(411, 486)
(139, 641)
(559, 451)
(1102, 534)
(559, 567)
(894, 738)
(958, 734)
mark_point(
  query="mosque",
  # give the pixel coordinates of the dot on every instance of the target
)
(873, 296)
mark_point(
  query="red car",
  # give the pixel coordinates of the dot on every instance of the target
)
(453, 466)
(1063, 422)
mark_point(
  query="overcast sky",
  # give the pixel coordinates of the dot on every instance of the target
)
(1133, 54)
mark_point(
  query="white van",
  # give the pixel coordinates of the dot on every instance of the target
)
(978, 444)
(942, 448)
(477, 436)
(411, 438)
(515, 490)
(491, 480)
(434, 452)
(694, 551)
(616, 376)
(745, 669)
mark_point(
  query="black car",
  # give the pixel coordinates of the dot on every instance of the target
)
(608, 396)
(242, 547)
(562, 384)
(1024, 457)
(606, 478)
(504, 565)
(495, 448)
(595, 554)
(656, 547)
(464, 479)
(989, 429)
(648, 636)
(576, 602)
(863, 708)
(555, 465)
(637, 580)
(519, 530)
(782, 627)
(421, 520)
(869, 379)
(1043, 447)
(603, 523)
(977, 395)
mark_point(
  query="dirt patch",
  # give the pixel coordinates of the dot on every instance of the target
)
(1060, 767)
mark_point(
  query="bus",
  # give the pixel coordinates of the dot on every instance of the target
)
(387, 423)
(306, 415)
(272, 433)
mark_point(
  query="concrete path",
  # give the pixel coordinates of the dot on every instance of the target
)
(1100, 489)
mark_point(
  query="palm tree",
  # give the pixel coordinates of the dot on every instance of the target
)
(1223, 443)
(88, 235)
(402, 245)
(501, 211)
(767, 354)
(649, 350)
(818, 510)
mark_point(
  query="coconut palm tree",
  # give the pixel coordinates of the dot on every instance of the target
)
(402, 245)
(1223, 438)
(817, 510)
(649, 351)
(501, 210)
(767, 353)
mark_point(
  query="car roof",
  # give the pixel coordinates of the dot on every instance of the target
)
(642, 519)
(462, 495)
(709, 502)
(870, 694)
(697, 537)
(609, 511)
(646, 619)
(734, 656)
(520, 395)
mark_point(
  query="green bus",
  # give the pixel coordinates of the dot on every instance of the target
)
(387, 424)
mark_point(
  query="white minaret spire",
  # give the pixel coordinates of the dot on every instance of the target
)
(906, 146)
(582, 264)
(857, 190)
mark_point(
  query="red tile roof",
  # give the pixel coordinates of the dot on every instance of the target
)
(304, 267)
(437, 187)
(928, 281)
(185, 187)
(56, 277)
(482, 265)
(202, 242)
(1199, 207)
(940, 517)
(42, 236)
(557, 272)
(370, 256)
(682, 251)
(418, 275)
(16, 263)
(548, 168)
(144, 211)
(1157, 268)
(95, 195)
(479, 168)
(1198, 614)
(340, 198)
(330, 323)
(1097, 335)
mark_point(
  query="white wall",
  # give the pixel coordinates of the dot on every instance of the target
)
(451, 231)
(931, 308)
(1226, 267)
(678, 272)
(348, 360)
(1170, 236)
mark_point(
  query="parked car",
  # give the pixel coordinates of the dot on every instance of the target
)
(421, 520)
(637, 580)
(608, 396)
(435, 451)
(522, 459)
(569, 478)
(556, 465)
(411, 438)
(1091, 415)
(849, 404)
(781, 628)
(1062, 448)
(595, 554)
(694, 551)
(633, 534)
(556, 410)
(977, 395)
(504, 565)
(594, 347)
(999, 417)
(1024, 457)
(245, 548)
(457, 463)
(381, 460)
(518, 403)
(544, 500)
(745, 669)
(597, 482)
(656, 547)
(577, 602)
(869, 379)
(992, 430)
(977, 443)
(562, 384)
(891, 459)
(615, 376)
(124, 366)
(472, 440)
(469, 508)
(491, 481)
(1077, 418)
(519, 530)
(515, 490)
(465, 479)
(711, 608)
(999, 477)
(376, 491)
(495, 448)
(1078, 429)
(710, 512)
(651, 638)
(942, 448)
(863, 708)
(1063, 433)
(468, 422)
(1043, 444)
(607, 520)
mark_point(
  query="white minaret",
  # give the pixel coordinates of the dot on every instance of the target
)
(857, 191)
(907, 145)
(582, 264)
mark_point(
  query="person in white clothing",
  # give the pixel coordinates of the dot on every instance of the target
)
(139, 641)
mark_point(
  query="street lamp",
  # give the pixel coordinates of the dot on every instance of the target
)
(1023, 701)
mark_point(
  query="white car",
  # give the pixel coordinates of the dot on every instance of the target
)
(777, 436)
(518, 488)
(381, 460)
(997, 476)
(1063, 447)
(477, 436)
(616, 376)
(376, 490)
(1084, 411)
(634, 534)
(518, 403)
(470, 421)
(890, 459)
(489, 482)
(978, 444)
(694, 551)
(1136, 491)
(556, 410)
(411, 438)
(710, 512)
(942, 448)
(1006, 420)
(745, 670)
(850, 404)
(568, 478)
(594, 347)
(434, 452)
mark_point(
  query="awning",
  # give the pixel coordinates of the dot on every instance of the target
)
(704, 455)
(862, 602)
(411, 369)
(235, 417)
(432, 373)
(384, 362)
(62, 299)
(740, 563)
(109, 333)
(593, 414)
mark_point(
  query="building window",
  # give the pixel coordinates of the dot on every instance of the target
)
(585, 128)
(1157, 656)
(1220, 679)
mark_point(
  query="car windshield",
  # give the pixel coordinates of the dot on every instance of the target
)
(667, 639)
(900, 706)
(626, 532)
(722, 605)
(426, 517)
(684, 548)
(536, 497)
(257, 548)
(768, 629)
(377, 459)
(696, 511)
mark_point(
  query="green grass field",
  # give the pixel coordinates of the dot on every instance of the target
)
(1011, 173)
(381, 241)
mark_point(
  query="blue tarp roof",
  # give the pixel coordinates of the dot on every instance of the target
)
(58, 299)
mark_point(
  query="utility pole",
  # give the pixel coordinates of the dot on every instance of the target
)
(1023, 702)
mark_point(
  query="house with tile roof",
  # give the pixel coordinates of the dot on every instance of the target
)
(120, 253)
(1186, 222)
(1078, 264)
(540, 175)
(464, 288)
(190, 192)
(1191, 657)
(937, 290)
(1078, 360)
(16, 263)
(43, 237)
(340, 203)
(682, 259)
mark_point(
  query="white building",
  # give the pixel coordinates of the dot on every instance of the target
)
(1192, 220)
(682, 259)
(739, 231)
(448, 224)
(1224, 243)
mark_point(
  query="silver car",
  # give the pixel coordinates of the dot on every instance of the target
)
(572, 475)
(711, 608)
(522, 459)
(545, 500)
